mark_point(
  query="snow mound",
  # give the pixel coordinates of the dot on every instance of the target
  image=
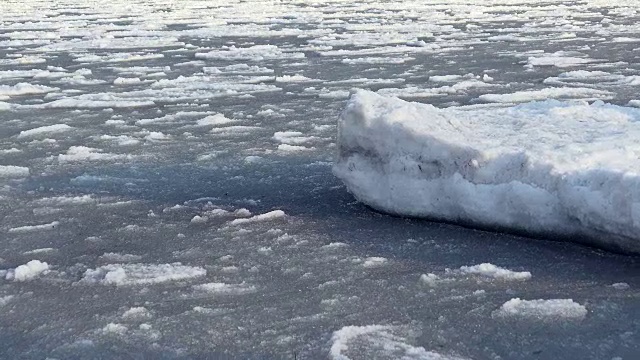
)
(140, 274)
(542, 309)
(28, 271)
(10, 171)
(271, 215)
(496, 272)
(567, 169)
(378, 342)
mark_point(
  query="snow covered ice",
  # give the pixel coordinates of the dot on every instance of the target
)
(167, 186)
(553, 168)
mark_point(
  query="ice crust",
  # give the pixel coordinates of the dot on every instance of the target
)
(551, 168)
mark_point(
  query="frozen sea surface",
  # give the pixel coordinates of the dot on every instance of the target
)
(166, 188)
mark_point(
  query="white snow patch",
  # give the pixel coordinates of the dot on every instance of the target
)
(141, 274)
(292, 137)
(214, 120)
(378, 342)
(10, 171)
(136, 313)
(272, 215)
(45, 130)
(542, 309)
(32, 228)
(548, 93)
(225, 289)
(374, 261)
(559, 59)
(621, 286)
(496, 272)
(126, 81)
(28, 271)
(429, 279)
(7, 91)
(293, 148)
(112, 328)
(120, 258)
(84, 153)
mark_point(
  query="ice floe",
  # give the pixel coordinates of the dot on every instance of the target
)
(542, 168)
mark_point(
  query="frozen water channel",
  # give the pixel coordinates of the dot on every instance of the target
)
(166, 188)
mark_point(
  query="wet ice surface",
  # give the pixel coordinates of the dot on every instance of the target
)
(166, 184)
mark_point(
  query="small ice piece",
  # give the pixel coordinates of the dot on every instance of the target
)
(292, 137)
(496, 272)
(429, 279)
(542, 309)
(28, 271)
(141, 274)
(84, 153)
(23, 89)
(225, 289)
(549, 93)
(11, 171)
(214, 120)
(292, 148)
(620, 286)
(292, 78)
(378, 342)
(32, 228)
(40, 251)
(126, 81)
(136, 313)
(374, 261)
(4, 300)
(272, 215)
(120, 258)
(112, 328)
(558, 59)
(45, 130)
(199, 219)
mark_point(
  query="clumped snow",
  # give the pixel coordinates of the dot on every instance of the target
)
(11, 171)
(45, 130)
(554, 309)
(496, 272)
(271, 215)
(28, 271)
(141, 274)
(378, 341)
(225, 289)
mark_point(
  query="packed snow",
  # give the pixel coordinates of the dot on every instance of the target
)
(542, 167)
(493, 271)
(28, 271)
(141, 274)
(543, 309)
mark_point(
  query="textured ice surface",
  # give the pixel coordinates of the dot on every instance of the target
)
(159, 135)
(547, 167)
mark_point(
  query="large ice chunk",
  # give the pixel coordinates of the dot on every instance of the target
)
(561, 169)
